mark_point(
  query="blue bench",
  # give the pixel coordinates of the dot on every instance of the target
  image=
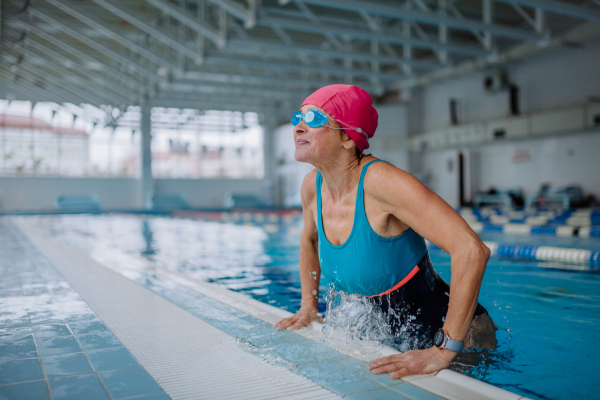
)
(78, 203)
(167, 202)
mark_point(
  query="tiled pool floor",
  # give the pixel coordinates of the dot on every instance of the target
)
(52, 345)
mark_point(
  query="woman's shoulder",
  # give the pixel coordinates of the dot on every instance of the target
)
(383, 176)
(381, 169)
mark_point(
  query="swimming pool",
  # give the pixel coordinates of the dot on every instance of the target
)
(552, 314)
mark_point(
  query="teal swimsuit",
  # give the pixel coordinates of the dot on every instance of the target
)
(395, 274)
(366, 263)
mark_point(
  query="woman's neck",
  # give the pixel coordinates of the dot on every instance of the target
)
(341, 176)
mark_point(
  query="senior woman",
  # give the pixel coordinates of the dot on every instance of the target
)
(364, 224)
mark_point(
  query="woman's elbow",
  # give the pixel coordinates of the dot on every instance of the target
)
(486, 252)
(478, 253)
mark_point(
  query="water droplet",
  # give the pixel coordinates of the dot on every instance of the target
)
(505, 317)
(507, 308)
(314, 272)
(509, 330)
(447, 294)
(315, 293)
(314, 278)
(499, 308)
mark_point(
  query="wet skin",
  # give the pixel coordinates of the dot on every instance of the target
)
(394, 201)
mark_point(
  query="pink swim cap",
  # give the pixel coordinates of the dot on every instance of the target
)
(351, 107)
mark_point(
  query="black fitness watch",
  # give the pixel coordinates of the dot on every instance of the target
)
(443, 341)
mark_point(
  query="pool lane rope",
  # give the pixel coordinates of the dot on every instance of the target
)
(589, 259)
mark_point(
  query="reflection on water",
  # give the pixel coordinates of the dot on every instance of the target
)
(147, 233)
(552, 314)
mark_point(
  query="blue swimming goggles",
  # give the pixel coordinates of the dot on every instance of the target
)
(316, 118)
(313, 118)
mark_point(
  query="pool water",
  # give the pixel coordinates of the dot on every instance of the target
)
(548, 318)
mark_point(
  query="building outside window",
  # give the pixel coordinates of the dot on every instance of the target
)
(68, 140)
(189, 143)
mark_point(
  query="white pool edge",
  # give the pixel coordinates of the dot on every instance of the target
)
(447, 384)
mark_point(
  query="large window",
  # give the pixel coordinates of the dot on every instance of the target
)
(46, 139)
(189, 143)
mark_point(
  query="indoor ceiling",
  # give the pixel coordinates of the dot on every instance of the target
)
(260, 54)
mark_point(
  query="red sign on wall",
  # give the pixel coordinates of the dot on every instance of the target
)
(521, 156)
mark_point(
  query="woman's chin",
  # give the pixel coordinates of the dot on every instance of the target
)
(301, 155)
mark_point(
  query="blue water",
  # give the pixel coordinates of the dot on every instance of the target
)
(549, 318)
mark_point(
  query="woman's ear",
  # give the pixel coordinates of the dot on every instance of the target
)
(347, 141)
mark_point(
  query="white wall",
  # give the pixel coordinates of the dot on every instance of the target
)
(561, 161)
(551, 80)
(29, 194)
(390, 140)
(38, 194)
(210, 193)
(440, 173)
(554, 79)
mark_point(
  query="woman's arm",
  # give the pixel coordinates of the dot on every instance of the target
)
(310, 270)
(403, 196)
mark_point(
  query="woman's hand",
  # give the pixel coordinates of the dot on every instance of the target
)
(298, 320)
(413, 362)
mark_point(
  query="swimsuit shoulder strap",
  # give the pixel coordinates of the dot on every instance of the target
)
(319, 182)
(360, 195)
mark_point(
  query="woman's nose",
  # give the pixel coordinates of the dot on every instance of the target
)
(300, 128)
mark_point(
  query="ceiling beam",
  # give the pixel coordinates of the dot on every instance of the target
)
(234, 79)
(35, 80)
(215, 60)
(192, 23)
(59, 72)
(80, 69)
(30, 91)
(560, 7)
(143, 71)
(296, 25)
(263, 45)
(405, 14)
(198, 27)
(63, 86)
(259, 91)
(112, 73)
(111, 34)
(90, 83)
(581, 32)
(143, 26)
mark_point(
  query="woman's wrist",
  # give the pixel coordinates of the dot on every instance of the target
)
(309, 308)
(445, 354)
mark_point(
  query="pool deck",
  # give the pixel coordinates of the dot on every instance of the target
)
(77, 327)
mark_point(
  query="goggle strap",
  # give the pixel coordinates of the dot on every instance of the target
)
(359, 130)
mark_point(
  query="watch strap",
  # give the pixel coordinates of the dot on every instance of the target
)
(453, 345)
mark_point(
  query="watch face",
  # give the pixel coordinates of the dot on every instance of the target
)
(438, 339)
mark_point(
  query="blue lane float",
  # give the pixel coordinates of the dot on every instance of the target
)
(584, 259)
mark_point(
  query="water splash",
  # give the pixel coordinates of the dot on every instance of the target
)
(352, 318)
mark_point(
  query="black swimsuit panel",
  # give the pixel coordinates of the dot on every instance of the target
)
(416, 311)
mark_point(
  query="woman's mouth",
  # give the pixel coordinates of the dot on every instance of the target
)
(301, 142)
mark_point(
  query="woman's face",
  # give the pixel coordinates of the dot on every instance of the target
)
(314, 145)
